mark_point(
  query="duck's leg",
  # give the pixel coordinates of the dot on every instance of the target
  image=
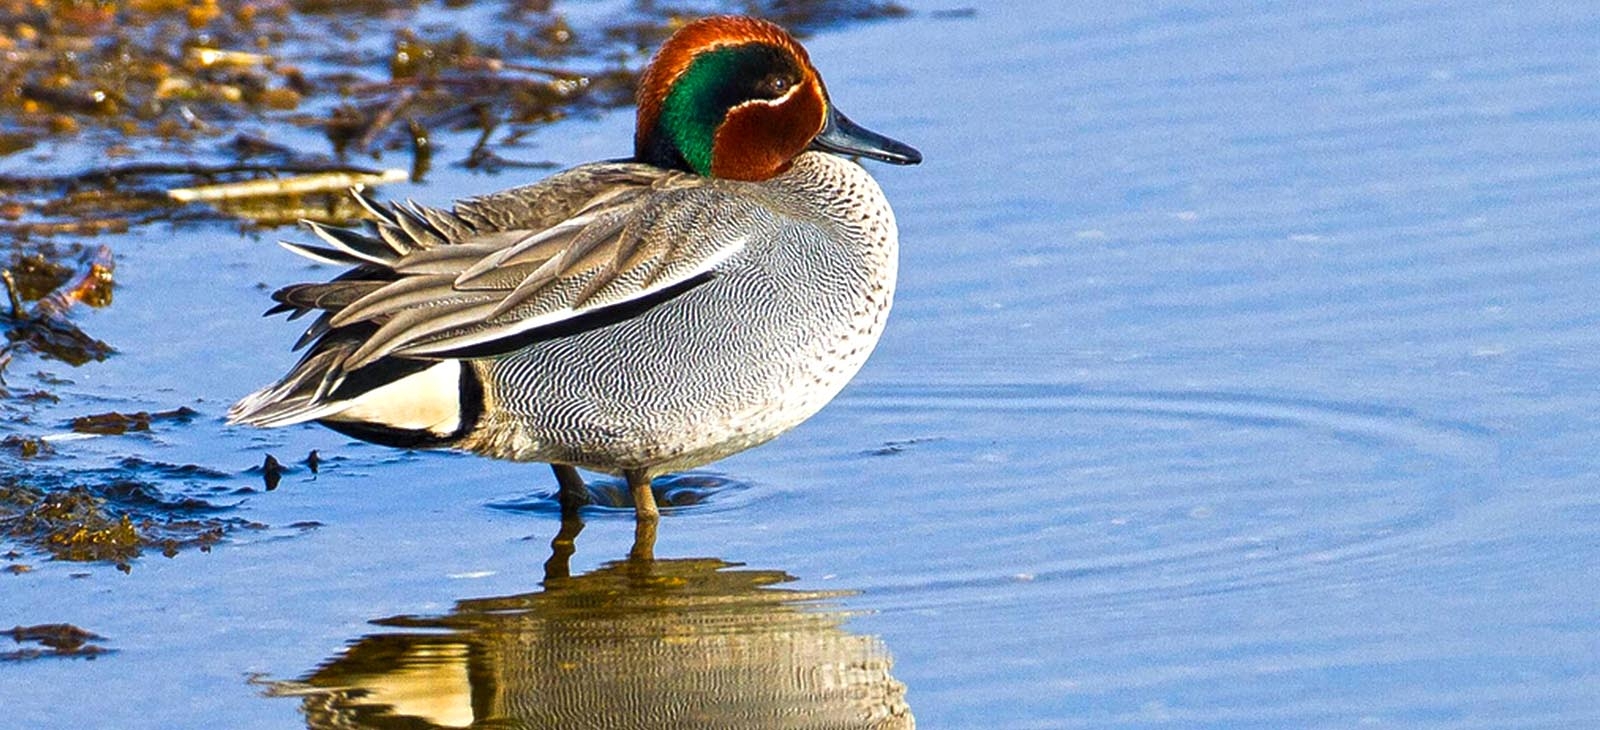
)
(644, 500)
(573, 493)
(645, 515)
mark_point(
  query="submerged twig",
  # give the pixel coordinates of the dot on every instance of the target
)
(497, 65)
(11, 292)
(45, 328)
(162, 169)
(384, 118)
(91, 285)
(317, 183)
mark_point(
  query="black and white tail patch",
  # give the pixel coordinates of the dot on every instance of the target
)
(431, 407)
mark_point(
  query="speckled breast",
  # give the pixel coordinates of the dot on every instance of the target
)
(764, 344)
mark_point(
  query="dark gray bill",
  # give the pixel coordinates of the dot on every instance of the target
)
(842, 136)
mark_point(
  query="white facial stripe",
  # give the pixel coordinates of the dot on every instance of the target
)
(787, 95)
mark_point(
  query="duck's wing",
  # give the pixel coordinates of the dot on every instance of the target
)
(481, 281)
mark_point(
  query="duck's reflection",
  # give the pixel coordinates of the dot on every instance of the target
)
(638, 643)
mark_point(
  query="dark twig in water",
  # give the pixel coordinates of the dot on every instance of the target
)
(11, 291)
(114, 173)
(476, 85)
(384, 119)
(480, 149)
(114, 224)
(496, 65)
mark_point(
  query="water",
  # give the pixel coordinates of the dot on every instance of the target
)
(1242, 375)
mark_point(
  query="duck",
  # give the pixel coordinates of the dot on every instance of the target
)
(633, 317)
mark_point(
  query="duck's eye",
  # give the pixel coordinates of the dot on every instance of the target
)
(775, 86)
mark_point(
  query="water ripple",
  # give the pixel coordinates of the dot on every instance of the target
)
(1205, 493)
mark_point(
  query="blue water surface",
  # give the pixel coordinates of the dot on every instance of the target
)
(1242, 375)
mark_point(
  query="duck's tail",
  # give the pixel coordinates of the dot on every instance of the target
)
(403, 401)
(394, 401)
(302, 394)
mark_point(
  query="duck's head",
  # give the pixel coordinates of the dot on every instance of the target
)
(738, 98)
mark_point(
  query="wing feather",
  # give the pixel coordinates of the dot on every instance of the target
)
(391, 298)
(417, 324)
(417, 228)
(486, 277)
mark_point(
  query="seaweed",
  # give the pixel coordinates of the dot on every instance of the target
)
(114, 423)
(113, 521)
(57, 640)
(53, 286)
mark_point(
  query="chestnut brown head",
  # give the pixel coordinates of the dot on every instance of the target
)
(737, 98)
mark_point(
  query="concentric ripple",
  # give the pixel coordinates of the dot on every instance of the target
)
(1154, 495)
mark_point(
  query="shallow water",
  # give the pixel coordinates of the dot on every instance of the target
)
(1242, 375)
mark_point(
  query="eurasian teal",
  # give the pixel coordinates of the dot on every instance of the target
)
(638, 316)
